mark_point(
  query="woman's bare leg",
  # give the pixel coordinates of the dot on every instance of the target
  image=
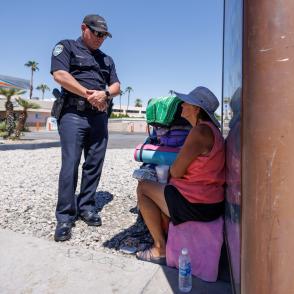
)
(164, 223)
(151, 211)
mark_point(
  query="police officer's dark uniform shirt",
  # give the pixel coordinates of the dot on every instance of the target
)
(92, 69)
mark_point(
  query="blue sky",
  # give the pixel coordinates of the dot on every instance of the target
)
(157, 45)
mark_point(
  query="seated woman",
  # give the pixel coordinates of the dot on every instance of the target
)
(195, 190)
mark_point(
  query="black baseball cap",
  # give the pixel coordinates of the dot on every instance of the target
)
(97, 23)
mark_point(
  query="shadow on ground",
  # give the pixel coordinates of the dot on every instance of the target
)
(137, 237)
(101, 199)
(132, 239)
(198, 286)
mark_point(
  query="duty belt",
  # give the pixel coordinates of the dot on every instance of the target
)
(81, 103)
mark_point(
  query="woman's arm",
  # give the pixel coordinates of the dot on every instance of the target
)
(199, 142)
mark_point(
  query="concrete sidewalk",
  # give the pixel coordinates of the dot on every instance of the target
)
(31, 265)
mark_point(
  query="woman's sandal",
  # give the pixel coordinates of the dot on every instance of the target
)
(147, 255)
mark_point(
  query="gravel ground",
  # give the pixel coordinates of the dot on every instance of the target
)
(28, 194)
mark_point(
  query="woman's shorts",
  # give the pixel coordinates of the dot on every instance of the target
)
(181, 210)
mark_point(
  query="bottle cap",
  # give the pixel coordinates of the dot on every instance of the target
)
(184, 251)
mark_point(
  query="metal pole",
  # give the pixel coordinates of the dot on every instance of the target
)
(267, 255)
(223, 58)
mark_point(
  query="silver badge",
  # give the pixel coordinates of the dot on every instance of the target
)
(57, 50)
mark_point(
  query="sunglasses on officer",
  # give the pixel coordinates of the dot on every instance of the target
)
(98, 34)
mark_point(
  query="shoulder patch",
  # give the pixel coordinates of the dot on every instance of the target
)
(58, 49)
(107, 60)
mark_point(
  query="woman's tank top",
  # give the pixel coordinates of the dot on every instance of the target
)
(205, 176)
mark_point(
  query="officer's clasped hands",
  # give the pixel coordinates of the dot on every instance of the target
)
(98, 99)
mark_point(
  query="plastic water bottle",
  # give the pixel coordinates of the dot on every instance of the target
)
(185, 271)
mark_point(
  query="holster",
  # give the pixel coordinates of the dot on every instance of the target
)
(58, 104)
(109, 109)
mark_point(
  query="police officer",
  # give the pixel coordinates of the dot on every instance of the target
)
(88, 82)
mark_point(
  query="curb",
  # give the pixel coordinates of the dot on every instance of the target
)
(29, 146)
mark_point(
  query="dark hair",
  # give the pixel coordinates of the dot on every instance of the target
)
(204, 116)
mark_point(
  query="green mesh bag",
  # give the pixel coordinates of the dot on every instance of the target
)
(161, 111)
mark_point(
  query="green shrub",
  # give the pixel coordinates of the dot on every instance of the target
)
(3, 134)
(2, 126)
(113, 115)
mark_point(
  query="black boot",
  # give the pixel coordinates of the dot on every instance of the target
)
(63, 231)
(91, 218)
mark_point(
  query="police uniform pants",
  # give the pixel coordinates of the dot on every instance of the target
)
(80, 131)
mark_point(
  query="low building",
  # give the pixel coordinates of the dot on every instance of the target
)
(133, 111)
(38, 117)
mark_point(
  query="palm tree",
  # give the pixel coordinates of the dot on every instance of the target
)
(171, 92)
(138, 102)
(128, 90)
(24, 114)
(34, 67)
(8, 93)
(120, 94)
(43, 88)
